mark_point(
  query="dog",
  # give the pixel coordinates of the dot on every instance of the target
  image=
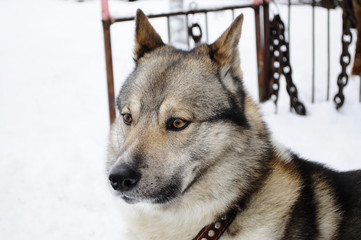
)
(189, 156)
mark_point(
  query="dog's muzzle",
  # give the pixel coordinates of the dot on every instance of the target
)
(123, 178)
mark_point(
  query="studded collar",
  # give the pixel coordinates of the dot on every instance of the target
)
(215, 230)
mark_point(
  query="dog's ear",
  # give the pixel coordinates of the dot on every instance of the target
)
(224, 51)
(146, 38)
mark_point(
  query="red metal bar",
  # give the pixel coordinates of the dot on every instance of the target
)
(130, 18)
(263, 48)
(105, 10)
(264, 82)
(259, 48)
(313, 52)
(260, 55)
(107, 21)
(109, 68)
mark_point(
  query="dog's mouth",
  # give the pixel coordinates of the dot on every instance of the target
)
(161, 199)
(129, 200)
(126, 197)
(162, 196)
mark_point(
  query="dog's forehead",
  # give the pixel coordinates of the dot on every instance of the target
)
(188, 78)
(174, 67)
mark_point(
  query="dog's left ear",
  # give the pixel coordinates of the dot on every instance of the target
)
(224, 51)
(146, 38)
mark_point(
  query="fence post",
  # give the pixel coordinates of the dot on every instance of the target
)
(260, 55)
(107, 21)
(263, 51)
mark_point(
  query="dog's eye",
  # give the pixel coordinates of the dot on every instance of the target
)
(127, 118)
(177, 124)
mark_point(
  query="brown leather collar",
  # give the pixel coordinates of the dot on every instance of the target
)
(215, 230)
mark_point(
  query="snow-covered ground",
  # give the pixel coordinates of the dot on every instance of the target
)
(54, 117)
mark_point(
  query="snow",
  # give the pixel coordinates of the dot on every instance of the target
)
(54, 113)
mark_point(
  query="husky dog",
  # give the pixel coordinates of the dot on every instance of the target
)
(190, 145)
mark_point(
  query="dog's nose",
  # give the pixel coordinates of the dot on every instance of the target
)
(123, 178)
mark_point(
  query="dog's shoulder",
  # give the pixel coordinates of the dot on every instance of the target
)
(316, 213)
(348, 189)
(302, 200)
(329, 205)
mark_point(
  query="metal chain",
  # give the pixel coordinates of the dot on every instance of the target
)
(345, 58)
(280, 64)
(275, 63)
(195, 30)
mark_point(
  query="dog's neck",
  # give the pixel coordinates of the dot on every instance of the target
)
(177, 224)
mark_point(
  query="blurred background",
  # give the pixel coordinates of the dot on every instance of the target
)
(54, 115)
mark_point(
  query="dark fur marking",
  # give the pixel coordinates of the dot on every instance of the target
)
(233, 114)
(348, 189)
(303, 224)
(241, 93)
(236, 112)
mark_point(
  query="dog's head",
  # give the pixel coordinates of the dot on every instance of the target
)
(177, 109)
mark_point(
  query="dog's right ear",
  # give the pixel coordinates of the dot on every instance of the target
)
(146, 38)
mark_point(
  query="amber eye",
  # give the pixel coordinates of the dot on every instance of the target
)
(176, 124)
(179, 123)
(127, 118)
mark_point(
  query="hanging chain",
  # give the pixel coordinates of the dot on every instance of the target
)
(280, 64)
(195, 30)
(345, 58)
(275, 63)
